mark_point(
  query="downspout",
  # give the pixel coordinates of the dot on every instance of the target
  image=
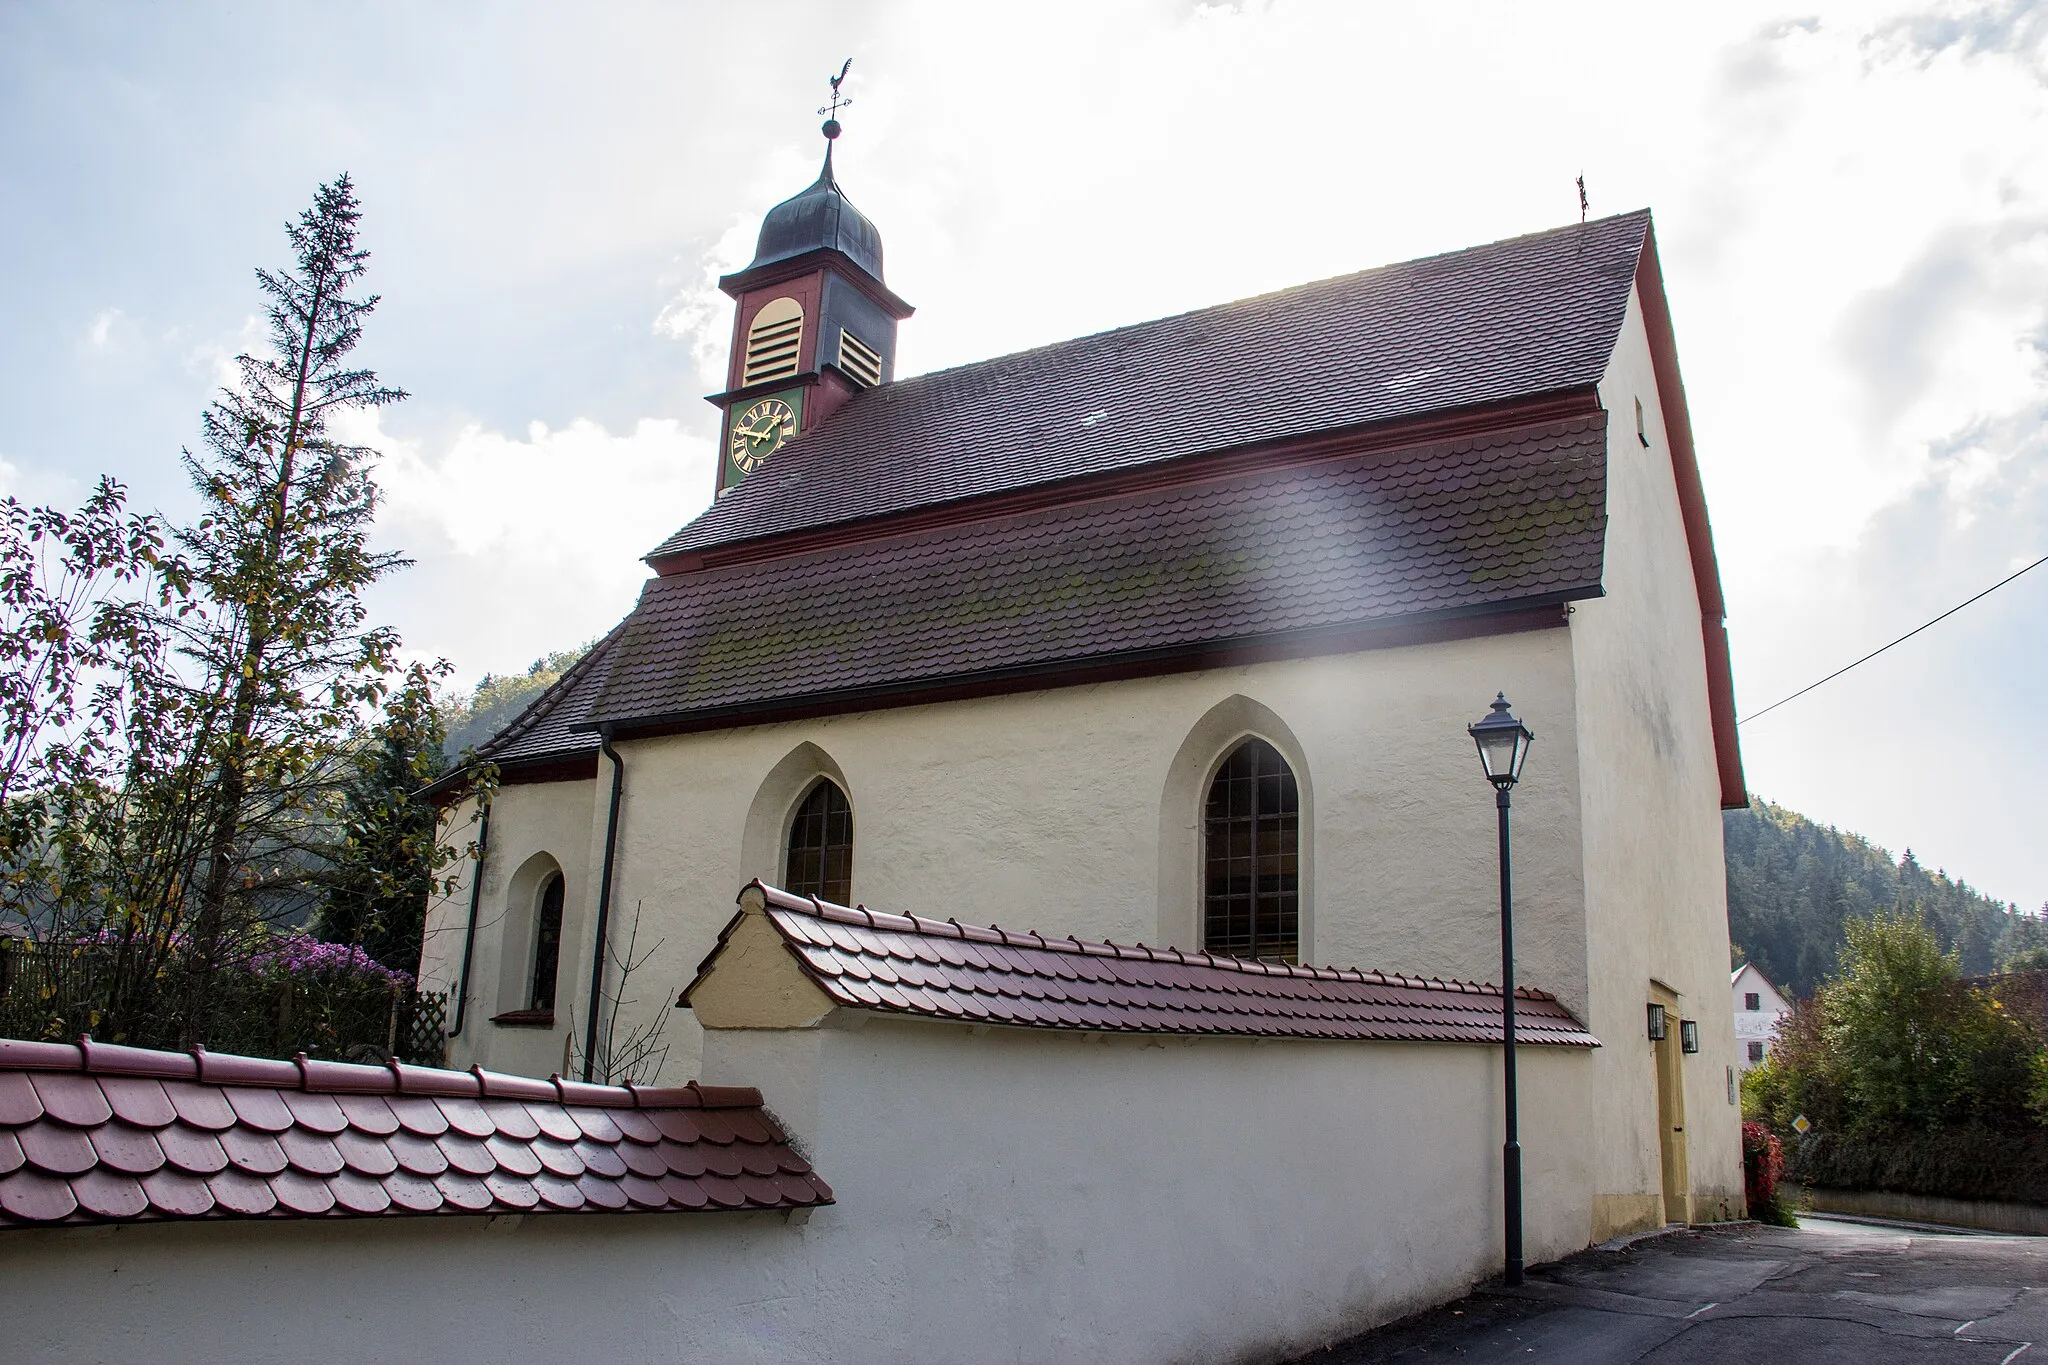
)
(604, 900)
(476, 893)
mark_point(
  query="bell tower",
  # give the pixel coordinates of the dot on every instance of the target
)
(813, 324)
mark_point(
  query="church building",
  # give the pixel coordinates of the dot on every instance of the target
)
(1018, 885)
(1167, 635)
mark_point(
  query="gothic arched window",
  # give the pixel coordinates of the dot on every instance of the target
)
(1251, 877)
(821, 845)
(547, 945)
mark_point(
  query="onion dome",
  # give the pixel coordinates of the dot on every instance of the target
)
(820, 217)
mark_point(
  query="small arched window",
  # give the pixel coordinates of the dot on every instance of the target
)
(772, 341)
(1251, 878)
(821, 845)
(547, 946)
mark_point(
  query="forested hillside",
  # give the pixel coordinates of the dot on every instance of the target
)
(1792, 884)
(497, 701)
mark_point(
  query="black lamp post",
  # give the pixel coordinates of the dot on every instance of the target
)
(1503, 743)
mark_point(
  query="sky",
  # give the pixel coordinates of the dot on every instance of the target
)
(1851, 204)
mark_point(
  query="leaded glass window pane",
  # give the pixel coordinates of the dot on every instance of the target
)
(547, 946)
(1252, 857)
(821, 846)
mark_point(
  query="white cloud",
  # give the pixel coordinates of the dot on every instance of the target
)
(100, 334)
(527, 544)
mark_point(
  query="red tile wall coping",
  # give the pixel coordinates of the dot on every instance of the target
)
(94, 1132)
(966, 973)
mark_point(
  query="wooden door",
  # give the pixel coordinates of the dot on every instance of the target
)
(1671, 1112)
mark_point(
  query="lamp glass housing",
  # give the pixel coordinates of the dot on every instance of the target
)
(1503, 744)
(1688, 1035)
(1658, 1028)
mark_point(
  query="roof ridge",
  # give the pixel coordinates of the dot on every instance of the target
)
(1427, 334)
(320, 1076)
(860, 916)
(1305, 285)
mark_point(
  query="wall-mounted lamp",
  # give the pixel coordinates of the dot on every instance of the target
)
(1657, 1025)
(1688, 1035)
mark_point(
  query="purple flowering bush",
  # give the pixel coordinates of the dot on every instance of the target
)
(278, 994)
(301, 957)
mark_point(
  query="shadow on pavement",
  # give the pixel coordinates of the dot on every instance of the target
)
(1828, 1291)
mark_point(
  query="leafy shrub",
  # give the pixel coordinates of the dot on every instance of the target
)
(1763, 1162)
(275, 995)
(2009, 1165)
(1897, 1041)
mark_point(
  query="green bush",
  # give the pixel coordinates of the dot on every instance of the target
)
(1910, 1078)
(1897, 1041)
(2009, 1165)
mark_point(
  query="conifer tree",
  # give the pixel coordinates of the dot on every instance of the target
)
(278, 564)
(381, 871)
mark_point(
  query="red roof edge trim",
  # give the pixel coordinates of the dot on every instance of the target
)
(225, 1068)
(493, 1085)
(1193, 468)
(726, 1096)
(315, 1075)
(1699, 535)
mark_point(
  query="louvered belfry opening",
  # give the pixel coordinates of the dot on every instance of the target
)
(547, 946)
(859, 359)
(1252, 857)
(821, 846)
(773, 341)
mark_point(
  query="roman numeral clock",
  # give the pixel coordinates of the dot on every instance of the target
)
(753, 432)
(814, 323)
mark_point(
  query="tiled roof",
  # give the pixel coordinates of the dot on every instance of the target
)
(944, 970)
(1447, 527)
(1532, 315)
(98, 1133)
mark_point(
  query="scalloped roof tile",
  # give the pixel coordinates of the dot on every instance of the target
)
(934, 969)
(1441, 528)
(97, 1133)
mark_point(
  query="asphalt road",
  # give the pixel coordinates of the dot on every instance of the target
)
(1828, 1292)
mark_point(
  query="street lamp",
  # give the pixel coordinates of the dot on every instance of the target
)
(1503, 743)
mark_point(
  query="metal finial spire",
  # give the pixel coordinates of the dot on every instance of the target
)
(1583, 202)
(839, 101)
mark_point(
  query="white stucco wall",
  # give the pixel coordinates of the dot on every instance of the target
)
(529, 822)
(1047, 811)
(1010, 1196)
(1656, 901)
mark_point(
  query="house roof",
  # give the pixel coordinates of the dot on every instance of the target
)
(1439, 528)
(1531, 315)
(1344, 463)
(91, 1132)
(933, 969)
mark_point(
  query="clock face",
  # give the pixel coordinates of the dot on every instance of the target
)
(758, 430)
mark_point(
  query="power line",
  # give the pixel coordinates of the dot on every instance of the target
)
(1901, 640)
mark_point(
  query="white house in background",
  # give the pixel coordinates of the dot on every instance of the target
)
(1758, 1007)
